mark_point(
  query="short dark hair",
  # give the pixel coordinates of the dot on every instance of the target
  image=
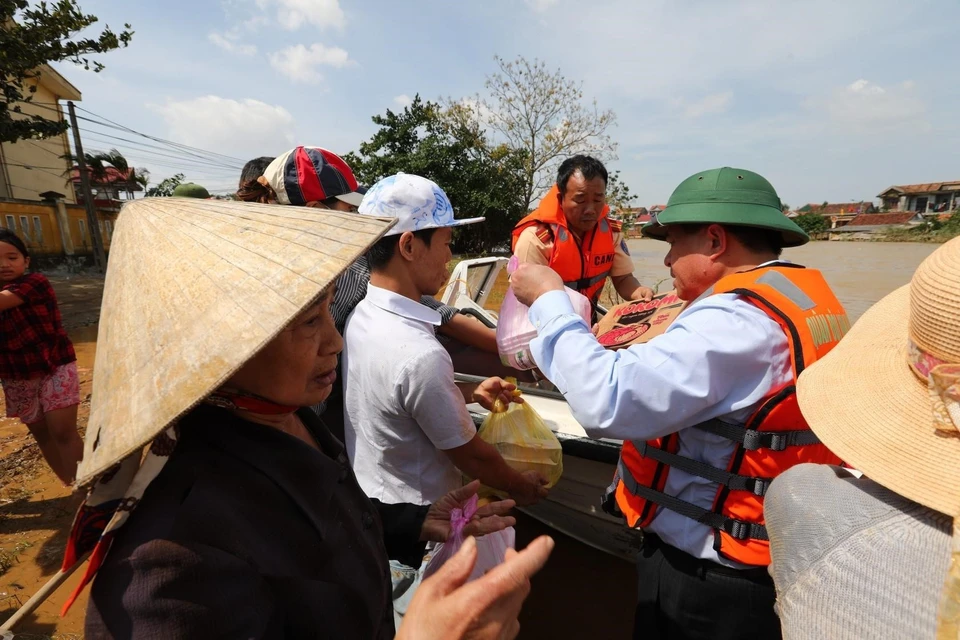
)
(254, 169)
(754, 239)
(11, 238)
(589, 166)
(381, 253)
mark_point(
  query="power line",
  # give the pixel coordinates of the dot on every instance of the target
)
(162, 156)
(187, 149)
(169, 142)
(140, 144)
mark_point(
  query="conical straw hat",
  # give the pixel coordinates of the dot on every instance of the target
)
(885, 398)
(193, 290)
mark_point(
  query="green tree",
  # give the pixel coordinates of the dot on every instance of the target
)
(33, 35)
(480, 179)
(812, 222)
(542, 114)
(618, 193)
(166, 187)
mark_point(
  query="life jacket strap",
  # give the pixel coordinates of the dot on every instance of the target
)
(756, 486)
(751, 439)
(585, 283)
(739, 529)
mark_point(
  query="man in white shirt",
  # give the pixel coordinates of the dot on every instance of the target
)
(407, 429)
(707, 410)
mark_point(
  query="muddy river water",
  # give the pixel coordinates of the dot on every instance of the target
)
(860, 273)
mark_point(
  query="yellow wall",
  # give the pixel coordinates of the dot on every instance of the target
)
(50, 243)
(51, 172)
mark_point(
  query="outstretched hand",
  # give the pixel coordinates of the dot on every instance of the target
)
(530, 281)
(492, 389)
(445, 607)
(488, 518)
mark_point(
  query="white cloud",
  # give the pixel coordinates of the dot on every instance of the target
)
(300, 63)
(713, 103)
(403, 100)
(541, 5)
(228, 42)
(865, 107)
(293, 14)
(241, 128)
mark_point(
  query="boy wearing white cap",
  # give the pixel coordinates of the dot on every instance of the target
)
(407, 428)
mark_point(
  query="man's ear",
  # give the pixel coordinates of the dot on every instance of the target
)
(717, 237)
(405, 245)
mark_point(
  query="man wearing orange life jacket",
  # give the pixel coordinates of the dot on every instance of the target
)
(572, 234)
(707, 410)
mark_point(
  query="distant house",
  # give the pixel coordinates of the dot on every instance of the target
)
(929, 197)
(657, 208)
(840, 214)
(867, 224)
(111, 190)
(29, 168)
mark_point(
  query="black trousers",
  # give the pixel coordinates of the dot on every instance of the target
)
(683, 597)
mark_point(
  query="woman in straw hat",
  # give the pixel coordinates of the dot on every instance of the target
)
(868, 557)
(219, 506)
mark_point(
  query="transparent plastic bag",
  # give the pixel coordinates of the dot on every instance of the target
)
(523, 439)
(491, 548)
(515, 331)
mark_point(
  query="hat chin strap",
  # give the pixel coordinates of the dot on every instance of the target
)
(943, 383)
(242, 401)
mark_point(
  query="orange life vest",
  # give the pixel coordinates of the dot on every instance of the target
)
(775, 438)
(584, 266)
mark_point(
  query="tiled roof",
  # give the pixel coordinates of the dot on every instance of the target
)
(926, 187)
(113, 176)
(875, 219)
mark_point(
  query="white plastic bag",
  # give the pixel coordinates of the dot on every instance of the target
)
(491, 548)
(515, 331)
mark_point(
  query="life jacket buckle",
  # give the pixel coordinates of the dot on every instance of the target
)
(758, 486)
(778, 442)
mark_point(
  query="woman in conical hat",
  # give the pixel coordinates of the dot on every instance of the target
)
(219, 506)
(871, 557)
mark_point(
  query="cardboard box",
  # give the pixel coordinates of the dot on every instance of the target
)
(636, 322)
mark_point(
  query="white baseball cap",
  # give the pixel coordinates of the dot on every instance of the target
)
(416, 203)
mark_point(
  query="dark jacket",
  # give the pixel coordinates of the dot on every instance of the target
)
(247, 533)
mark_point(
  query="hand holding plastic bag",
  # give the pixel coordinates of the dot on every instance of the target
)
(523, 439)
(515, 331)
(491, 548)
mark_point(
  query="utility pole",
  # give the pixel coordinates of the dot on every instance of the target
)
(99, 255)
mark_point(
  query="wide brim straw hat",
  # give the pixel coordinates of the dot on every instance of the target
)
(886, 399)
(194, 289)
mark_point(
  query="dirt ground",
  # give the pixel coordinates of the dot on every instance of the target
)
(580, 593)
(36, 510)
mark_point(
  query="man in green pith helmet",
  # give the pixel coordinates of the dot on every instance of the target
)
(707, 410)
(190, 190)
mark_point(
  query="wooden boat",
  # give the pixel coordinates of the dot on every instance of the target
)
(573, 506)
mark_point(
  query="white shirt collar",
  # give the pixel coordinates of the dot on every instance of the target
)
(402, 306)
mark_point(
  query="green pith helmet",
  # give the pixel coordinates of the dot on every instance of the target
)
(190, 190)
(726, 196)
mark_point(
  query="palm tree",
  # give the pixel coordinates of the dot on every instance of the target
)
(99, 163)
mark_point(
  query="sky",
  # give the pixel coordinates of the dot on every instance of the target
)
(830, 100)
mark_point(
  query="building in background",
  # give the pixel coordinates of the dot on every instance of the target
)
(929, 197)
(29, 168)
(38, 200)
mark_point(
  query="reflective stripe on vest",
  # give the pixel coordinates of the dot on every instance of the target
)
(775, 437)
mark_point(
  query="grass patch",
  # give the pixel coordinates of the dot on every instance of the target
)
(9, 557)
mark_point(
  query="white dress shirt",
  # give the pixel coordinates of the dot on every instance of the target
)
(718, 359)
(402, 408)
